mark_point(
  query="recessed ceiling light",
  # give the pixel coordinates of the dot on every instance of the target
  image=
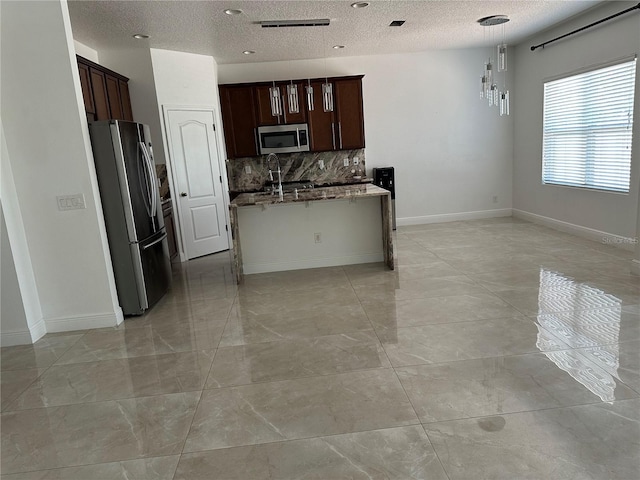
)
(360, 4)
(249, 52)
(231, 11)
(140, 36)
(338, 47)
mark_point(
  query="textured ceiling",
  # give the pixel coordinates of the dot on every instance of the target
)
(203, 27)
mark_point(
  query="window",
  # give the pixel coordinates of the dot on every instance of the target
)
(587, 129)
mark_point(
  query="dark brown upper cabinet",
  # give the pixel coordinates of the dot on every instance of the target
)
(238, 104)
(265, 111)
(105, 92)
(248, 106)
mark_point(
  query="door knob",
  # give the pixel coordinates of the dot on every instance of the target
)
(183, 194)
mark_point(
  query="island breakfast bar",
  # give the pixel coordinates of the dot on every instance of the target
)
(320, 227)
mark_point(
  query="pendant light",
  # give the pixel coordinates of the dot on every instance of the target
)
(292, 96)
(489, 81)
(309, 88)
(274, 98)
(327, 88)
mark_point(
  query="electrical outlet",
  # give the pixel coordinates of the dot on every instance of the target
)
(345, 162)
(71, 202)
(321, 164)
(247, 169)
(356, 161)
(495, 199)
(317, 237)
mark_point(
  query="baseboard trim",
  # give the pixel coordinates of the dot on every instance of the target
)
(453, 217)
(635, 267)
(312, 263)
(10, 339)
(38, 331)
(604, 238)
(83, 322)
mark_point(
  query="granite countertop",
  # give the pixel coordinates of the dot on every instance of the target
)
(323, 193)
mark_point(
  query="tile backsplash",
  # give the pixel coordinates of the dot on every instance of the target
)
(303, 166)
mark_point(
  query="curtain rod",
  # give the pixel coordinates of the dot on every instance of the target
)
(637, 7)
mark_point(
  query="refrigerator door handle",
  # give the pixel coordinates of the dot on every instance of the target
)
(155, 242)
(151, 187)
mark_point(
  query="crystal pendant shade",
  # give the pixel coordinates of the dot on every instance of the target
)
(502, 57)
(310, 104)
(292, 97)
(274, 96)
(327, 97)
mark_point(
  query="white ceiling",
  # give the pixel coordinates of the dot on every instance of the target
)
(203, 27)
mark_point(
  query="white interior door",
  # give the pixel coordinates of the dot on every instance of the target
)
(199, 195)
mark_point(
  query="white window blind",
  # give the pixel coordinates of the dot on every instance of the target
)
(587, 129)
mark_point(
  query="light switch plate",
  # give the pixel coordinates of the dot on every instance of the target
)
(346, 162)
(321, 164)
(71, 202)
(247, 169)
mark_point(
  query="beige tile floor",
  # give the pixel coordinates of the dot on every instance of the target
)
(498, 349)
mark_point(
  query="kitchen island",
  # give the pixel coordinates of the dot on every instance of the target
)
(321, 227)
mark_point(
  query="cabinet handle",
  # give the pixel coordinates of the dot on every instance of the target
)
(340, 133)
(333, 135)
(284, 109)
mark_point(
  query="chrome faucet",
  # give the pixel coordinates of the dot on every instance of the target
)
(270, 157)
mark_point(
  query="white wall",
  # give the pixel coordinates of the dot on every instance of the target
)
(183, 80)
(49, 153)
(135, 63)
(423, 115)
(86, 52)
(605, 212)
(21, 258)
(14, 329)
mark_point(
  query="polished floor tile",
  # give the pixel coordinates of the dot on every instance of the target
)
(425, 311)
(592, 442)
(41, 355)
(294, 409)
(450, 342)
(621, 361)
(496, 349)
(14, 382)
(590, 328)
(160, 468)
(96, 432)
(264, 362)
(108, 344)
(117, 379)
(493, 386)
(245, 327)
(394, 453)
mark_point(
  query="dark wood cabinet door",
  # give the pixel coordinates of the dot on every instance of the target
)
(301, 116)
(239, 120)
(263, 106)
(321, 124)
(115, 102)
(85, 83)
(127, 113)
(100, 98)
(349, 113)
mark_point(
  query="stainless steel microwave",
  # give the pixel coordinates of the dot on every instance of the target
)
(283, 138)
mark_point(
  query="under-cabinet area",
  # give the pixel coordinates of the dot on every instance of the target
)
(322, 227)
(335, 120)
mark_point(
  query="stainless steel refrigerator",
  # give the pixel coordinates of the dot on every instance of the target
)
(132, 212)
